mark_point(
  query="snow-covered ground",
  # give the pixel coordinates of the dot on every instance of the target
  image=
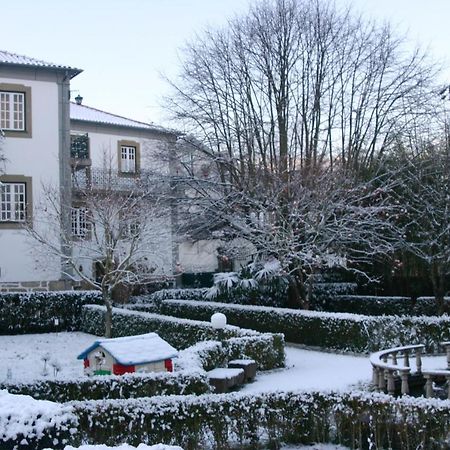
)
(24, 356)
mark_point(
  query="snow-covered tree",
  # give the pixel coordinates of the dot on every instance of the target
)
(119, 226)
(425, 198)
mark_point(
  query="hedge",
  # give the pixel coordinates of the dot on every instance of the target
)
(377, 305)
(357, 420)
(337, 331)
(266, 348)
(35, 312)
(113, 387)
(29, 424)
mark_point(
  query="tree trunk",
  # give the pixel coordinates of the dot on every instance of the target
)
(296, 292)
(108, 315)
(438, 281)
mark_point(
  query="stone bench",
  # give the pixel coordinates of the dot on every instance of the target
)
(225, 379)
(248, 365)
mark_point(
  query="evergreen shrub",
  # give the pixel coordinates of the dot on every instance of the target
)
(113, 387)
(336, 331)
(35, 312)
(356, 420)
(267, 349)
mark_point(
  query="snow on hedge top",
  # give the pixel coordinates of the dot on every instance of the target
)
(21, 60)
(22, 415)
(130, 350)
(89, 114)
(124, 447)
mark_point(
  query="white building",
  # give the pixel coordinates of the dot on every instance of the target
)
(34, 117)
(50, 141)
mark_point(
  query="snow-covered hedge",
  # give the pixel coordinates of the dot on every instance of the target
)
(377, 305)
(35, 312)
(113, 387)
(340, 331)
(26, 423)
(266, 348)
(357, 420)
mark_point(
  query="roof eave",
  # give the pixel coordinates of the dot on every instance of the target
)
(72, 71)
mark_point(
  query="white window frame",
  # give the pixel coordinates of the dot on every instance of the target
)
(12, 111)
(13, 202)
(79, 221)
(128, 155)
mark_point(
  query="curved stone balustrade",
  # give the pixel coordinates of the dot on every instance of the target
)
(387, 368)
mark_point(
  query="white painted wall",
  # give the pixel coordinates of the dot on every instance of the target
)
(103, 145)
(35, 157)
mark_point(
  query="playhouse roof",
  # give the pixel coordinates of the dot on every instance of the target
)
(131, 350)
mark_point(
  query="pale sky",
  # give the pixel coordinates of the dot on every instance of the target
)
(124, 45)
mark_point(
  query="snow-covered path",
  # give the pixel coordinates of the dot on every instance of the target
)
(312, 370)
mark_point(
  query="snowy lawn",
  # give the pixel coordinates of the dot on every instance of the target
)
(23, 355)
(306, 369)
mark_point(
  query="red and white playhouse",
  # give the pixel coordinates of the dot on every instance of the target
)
(140, 354)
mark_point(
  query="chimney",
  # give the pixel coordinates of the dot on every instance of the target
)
(78, 99)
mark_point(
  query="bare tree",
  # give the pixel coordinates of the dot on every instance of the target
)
(2, 154)
(294, 85)
(117, 224)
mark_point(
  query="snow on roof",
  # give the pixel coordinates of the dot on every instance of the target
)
(21, 60)
(130, 350)
(89, 114)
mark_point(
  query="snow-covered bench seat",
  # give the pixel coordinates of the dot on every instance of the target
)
(248, 365)
(225, 379)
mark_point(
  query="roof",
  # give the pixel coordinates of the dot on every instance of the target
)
(131, 350)
(88, 114)
(14, 59)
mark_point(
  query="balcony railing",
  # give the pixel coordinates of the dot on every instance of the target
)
(105, 179)
(79, 146)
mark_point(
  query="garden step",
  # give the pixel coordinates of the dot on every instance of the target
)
(225, 379)
(248, 365)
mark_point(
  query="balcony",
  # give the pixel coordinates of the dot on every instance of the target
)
(110, 180)
(79, 152)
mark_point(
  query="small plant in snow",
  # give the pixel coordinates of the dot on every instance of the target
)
(45, 358)
(56, 365)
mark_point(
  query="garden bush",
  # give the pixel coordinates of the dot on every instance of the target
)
(372, 305)
(338, 331)
(113, 387)
(266, 348)
(29, 424)
(357, 420)
(35, 312)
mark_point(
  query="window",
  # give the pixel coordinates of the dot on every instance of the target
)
(79, 222)
(128, 157)
(15, 110)
(15, 201)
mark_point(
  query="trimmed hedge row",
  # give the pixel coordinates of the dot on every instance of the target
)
(266, 348)
(378, 305)
(338, 331)
(35, 312)
(113, 387)
(357, 420)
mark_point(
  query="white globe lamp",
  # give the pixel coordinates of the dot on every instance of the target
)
(218, 321)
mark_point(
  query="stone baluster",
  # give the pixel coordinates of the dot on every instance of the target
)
(375, 376)
(381, 380)
(394, 358)
(404, 374)
(406, 358)
(419, 360)
(428, 386)
(390, 382)
(448, 387)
